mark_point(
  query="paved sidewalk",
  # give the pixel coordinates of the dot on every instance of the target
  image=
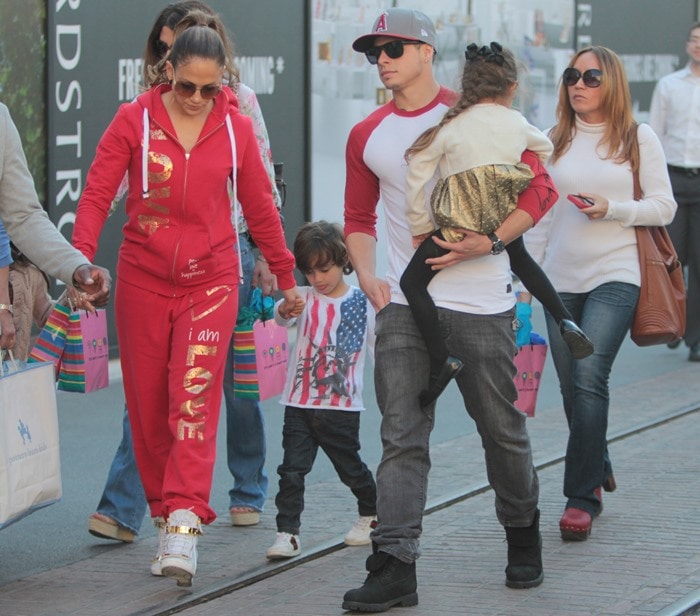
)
(643, 555)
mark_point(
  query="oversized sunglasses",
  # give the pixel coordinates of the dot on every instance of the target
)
(591, 77)
(162, 49)
(183, 88)
(393, 49)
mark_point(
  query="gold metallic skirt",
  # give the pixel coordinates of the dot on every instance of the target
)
(478, 199)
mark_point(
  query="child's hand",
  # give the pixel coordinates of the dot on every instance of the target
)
(419, 239)
(291, 305)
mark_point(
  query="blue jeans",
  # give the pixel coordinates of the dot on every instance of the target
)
(123, 498)
(338, 434)
(605, 314)
(245, 424)
(486, 345)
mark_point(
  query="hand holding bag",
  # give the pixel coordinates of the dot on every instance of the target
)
(660, 314)
(30, 468)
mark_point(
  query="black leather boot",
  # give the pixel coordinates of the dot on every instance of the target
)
(449, 370)
(524, 568)
(579, 344)
(390, 582)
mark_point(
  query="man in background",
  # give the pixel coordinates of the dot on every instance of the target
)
(675, 117)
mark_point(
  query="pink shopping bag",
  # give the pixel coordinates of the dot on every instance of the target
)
(260, 356)
(530, 362)
(85, 361)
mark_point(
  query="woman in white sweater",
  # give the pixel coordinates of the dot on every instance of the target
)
(590, 255)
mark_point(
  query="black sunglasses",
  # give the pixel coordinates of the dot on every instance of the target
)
(162, 49)
(591, 77)
(393, 49)
(186, 89)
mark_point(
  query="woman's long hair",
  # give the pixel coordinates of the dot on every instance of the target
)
(620, 136)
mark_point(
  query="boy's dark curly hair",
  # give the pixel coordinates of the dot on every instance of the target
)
(320, 244)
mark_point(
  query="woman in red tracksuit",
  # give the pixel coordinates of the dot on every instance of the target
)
(178, 275)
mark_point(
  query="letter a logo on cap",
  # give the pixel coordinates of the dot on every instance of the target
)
(381, 24)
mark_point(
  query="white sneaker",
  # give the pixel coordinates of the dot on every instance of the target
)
(159, 523)
(179, 557)
(359, 533)
(285, 546)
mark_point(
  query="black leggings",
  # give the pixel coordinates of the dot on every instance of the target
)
(417, 276)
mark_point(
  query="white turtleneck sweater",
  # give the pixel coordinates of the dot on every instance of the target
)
(579, 254)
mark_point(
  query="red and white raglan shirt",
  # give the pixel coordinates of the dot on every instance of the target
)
(376, 169)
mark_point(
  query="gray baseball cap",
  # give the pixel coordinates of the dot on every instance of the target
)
(401, 23)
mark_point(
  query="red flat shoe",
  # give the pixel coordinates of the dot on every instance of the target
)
(575, 524)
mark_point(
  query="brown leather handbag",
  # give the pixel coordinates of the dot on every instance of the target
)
(660, 314)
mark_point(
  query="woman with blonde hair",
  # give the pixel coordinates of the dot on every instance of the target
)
(589, 252)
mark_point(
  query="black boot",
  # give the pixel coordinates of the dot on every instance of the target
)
(524, 568)
(579, 344)
(390, 582)
(449, 370)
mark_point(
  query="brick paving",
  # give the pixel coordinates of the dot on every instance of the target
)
(643, 555)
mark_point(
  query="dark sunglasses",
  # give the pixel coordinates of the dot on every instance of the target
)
(591, 77)
(393, 49)
(183, 88)
(161, 49)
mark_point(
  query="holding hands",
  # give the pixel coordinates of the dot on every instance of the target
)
(292, 304)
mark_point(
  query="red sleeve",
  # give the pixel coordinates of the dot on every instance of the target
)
(104, 176)
(361, 184)
(254, 193)
(541, 194)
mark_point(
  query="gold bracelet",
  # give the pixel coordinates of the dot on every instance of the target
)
(7, 307)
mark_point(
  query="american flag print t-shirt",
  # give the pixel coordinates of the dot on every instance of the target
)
(326, 366)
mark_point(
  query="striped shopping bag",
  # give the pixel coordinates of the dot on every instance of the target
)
(51, 342)
(245, 372)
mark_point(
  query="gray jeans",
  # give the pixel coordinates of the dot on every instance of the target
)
(486, 345)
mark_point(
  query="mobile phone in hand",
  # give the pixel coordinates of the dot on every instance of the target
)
(579, 201)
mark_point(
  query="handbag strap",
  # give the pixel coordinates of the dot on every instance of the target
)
(635, 174)
(637, 186)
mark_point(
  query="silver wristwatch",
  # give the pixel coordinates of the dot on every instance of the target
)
(498, 246)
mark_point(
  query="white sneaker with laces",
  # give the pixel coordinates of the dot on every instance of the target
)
(286, 545)
(179, 557)
(159, 523)
(359, 533)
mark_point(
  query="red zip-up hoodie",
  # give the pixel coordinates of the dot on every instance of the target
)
(179, 232)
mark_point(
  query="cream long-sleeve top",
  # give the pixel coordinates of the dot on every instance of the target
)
(484, 134)
(579, 254)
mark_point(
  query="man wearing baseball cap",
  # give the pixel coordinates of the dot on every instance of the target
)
(476, 304)
(405, 24)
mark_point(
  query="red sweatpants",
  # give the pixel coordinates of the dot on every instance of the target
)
(173, 352)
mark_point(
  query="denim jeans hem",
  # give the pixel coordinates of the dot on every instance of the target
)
(122, 524)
